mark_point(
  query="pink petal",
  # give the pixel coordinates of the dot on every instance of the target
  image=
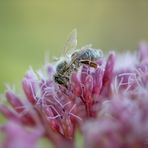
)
(29, 86)
(75, 84)
(17, 136)
(108, 75)
(14, 101)
(143, 51)
(98, 80)
(8, 113)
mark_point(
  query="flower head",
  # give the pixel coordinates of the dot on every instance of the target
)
(122, 120)
(61, 109)
(106, 98)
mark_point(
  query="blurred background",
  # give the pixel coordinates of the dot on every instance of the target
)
(30, 28)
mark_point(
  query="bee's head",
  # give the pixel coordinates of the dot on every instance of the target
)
(61, 79)
(61, 66)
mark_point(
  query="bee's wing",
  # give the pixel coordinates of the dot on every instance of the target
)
(71, 42)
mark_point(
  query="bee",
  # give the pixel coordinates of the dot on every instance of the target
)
(62, 73)
(78, 57)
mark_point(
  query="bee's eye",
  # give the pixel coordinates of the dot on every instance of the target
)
(61, 66)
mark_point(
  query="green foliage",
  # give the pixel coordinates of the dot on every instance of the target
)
(79, 140)
(44, 143)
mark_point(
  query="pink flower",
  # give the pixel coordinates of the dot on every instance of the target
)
(108, 103)
(122, 122)
(131, 71)
(60, 109)
(17, 136)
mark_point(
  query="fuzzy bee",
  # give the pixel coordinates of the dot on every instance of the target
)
(76, 58)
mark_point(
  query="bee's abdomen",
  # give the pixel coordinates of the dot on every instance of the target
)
(90, 54)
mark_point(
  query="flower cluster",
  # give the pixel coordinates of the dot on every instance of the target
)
(123, 120)
(108, 104)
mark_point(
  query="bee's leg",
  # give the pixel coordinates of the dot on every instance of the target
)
(90, 63)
